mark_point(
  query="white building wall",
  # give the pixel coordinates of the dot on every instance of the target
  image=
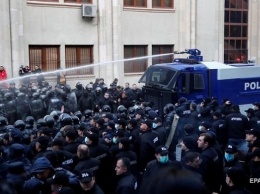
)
(191, 24)
(5, 54)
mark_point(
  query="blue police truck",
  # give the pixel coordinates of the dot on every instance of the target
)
(194, 79)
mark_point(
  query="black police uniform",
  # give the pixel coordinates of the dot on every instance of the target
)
(126, 184)
(87, 163)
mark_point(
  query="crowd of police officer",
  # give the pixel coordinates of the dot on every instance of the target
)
(48, 131)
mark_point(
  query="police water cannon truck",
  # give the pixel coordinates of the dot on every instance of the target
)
(195, 80)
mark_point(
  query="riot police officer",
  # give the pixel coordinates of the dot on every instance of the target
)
(36, 106)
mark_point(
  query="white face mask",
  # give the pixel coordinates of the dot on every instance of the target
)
(86, 140)
(116, 126)
(200, 128)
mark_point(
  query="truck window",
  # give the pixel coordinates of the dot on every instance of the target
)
(158, 76)
(198, 82)
(186, 83)
(189, 82)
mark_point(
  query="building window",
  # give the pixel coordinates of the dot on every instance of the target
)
(162, 49)
(46, 57)
(235, 31)
(135, 3)
(137, 65)
(77, 1)
(162, 3)
(76, 56)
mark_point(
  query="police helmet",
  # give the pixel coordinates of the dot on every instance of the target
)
(121, 109)
(19, 124)
(12, 83)
(89, 87)
(79, 86)
(8, 128)
(75, 119)
(152, 115)
(137, 107)
(41, 123)
(29, 120)
(147, 109)
(98, 89)
(78, 114)
(88, 113)
(3, 121)
(54, 114)
(106, 109)
(50, 94)
(104, 87)
(36, 95)
(182, 100)
(168, 108)
(131, 111)
(67, 88)
(34, 88)
(44, 90)
(49, 120)
(8, 95)
(65, 119)
(45, 84)
(21, 95)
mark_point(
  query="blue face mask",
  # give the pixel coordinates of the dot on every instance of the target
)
(163, 159)
(155, 125)
(114, 140)
(229, 157)
(200, 128)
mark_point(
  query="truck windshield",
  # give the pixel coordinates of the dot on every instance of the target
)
(158, 76)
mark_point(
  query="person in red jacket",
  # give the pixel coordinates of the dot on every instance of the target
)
(3, 76)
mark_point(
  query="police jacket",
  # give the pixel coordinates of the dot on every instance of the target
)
(126, 102)
(162, 133)
(72, 147)
(145, 148)
(195, 171)
(98, 151)
(85, 103)
(154, 167)
(254, 175)
(126, 184)
(86, 163)
(3, 169)
(219, 126)
(211, 169)
(17, 181)
(234, 163)
(24, 160)
(168, 118)
(36, 186)
(104, 101)
(237, 124)
(134, 134)
(238, 190)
